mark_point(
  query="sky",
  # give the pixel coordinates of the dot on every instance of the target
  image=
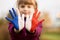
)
(52, 6)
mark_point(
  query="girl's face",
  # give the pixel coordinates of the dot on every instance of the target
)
(26, 9)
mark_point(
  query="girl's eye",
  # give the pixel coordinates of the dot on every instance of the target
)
(22, 6)
(29, 6)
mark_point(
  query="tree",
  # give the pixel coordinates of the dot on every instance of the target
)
(47, 20)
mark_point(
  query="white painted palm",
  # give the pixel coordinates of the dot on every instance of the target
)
(28, 22)
(20, 20)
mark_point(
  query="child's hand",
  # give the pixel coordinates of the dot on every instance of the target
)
(35, 21)
(32, 21)
(28, 22)
(17, 20)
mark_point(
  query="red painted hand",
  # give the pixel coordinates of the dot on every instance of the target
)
(35, 21)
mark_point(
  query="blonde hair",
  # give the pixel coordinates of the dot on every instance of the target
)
(27, 2)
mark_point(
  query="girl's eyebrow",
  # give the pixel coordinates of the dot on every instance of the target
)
(26, 3)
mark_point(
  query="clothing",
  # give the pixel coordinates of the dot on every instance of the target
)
(24, 34)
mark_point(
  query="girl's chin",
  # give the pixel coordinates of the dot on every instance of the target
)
(25, 15)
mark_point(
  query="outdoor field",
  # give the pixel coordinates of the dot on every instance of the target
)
(50, 36)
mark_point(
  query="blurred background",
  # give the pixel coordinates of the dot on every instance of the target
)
(50, 11)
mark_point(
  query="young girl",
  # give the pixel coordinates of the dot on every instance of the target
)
(24, 24)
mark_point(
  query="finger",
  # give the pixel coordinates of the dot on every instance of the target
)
(14, 11)
(11, 13)
(22, 20)
(23, 17)
(18, 12)
(35, 13)
(27, 16)
(19, 17)
(8, 19)
(41, 21)
(31, 15)
(38, 15)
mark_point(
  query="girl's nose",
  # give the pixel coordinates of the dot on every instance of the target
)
(25, 9)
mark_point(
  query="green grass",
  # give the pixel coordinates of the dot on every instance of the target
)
(50, 36)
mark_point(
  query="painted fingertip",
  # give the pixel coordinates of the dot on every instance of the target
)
(10, 11)
(12, 8)
(23, 16)
(8, 19)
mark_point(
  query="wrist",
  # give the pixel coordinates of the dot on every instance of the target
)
(16, 30)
